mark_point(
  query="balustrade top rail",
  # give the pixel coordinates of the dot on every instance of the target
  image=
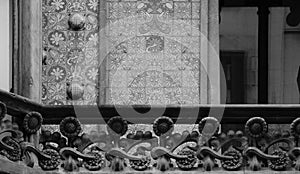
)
(237, 114)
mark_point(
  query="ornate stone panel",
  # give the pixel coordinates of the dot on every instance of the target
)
(150, 52)
(156, 58)
(70, 59)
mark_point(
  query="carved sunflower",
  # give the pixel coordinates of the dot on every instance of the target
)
(163, 125)
(256, 127)
(32, 122)
(295, 127)
(70, 127)
(117, 125)
(208, 126)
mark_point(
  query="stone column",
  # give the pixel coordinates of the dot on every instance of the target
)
(276, 60)
(210, 82)
(28, 61)
(28, 81)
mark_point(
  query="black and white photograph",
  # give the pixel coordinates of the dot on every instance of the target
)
(149, 86)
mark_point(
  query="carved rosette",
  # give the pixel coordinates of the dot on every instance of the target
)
(70, 127)
(117, 125)
(235, 163)
(189, 162)
(281, 163)
(256, 127)
(163, 126)
(51, 164)
(140, 165)
(3, 110)
(208, 126)
(295, 128)
(94, 164)
(32, 122)
(14, 153)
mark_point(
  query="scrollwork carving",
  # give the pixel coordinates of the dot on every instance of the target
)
(52, 163)
(94, 164)
(9, 146)
(235, 163)
(189, 162)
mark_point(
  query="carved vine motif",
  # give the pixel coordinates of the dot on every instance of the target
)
(10, 148)
(235, 163)
(142, 150)
(96, 163)
(163, 127)
(15, 149)
(189, 162)
(210, 144)
(117, 127)
(29, 150)
(12, 144)
(70, 148)
(257, 129)
(53, 162)
(136, 141)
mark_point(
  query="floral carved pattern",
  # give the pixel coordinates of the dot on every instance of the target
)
(152, 65)
(146, 77)
(69, 55)
(147, 59)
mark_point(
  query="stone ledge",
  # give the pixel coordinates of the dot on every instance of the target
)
(10, 167)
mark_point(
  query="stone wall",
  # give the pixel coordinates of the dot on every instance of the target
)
(131, 52)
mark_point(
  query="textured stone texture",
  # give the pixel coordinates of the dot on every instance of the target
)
(150, 52)
(72, 56)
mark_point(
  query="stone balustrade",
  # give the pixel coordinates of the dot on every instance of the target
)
(208, 148)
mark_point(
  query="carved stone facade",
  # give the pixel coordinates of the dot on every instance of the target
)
(135, 52)
(70, 59)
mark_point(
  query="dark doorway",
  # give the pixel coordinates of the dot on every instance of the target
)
(233, 66)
